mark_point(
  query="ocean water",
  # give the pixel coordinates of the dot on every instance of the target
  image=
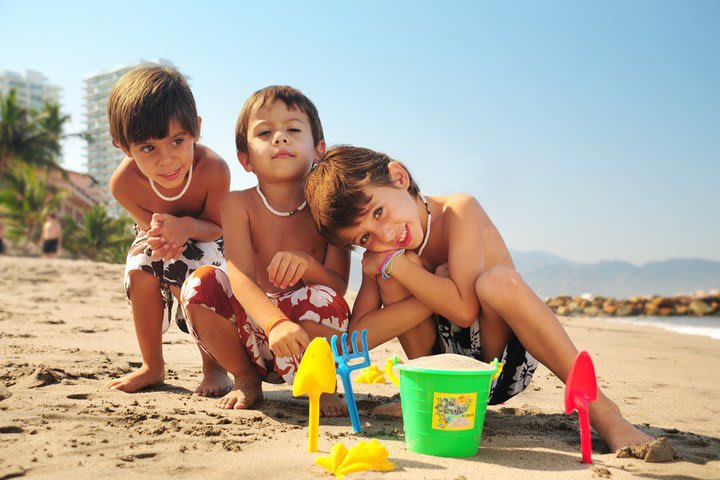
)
(704, 326)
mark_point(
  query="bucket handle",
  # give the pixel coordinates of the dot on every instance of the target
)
(499, 367)
(389, 364)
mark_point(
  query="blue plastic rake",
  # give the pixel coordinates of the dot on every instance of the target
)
(344, 368)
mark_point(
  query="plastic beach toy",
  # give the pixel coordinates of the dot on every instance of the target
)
(315, 376)
(371, 374)
(363, 456)
(580, 390)
(443, 410)
(344, 367)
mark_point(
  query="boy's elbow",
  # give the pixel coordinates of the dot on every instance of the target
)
(466, 317)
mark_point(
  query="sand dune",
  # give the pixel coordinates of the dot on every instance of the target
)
(65, 331)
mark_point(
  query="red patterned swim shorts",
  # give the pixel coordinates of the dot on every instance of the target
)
(210, 287)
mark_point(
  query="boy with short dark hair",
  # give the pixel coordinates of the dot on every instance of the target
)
(172, 187)
(441, 260)
(284, 283)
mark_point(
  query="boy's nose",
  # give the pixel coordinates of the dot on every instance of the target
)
(280, 137)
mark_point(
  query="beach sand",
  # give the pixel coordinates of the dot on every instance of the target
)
(65, 330)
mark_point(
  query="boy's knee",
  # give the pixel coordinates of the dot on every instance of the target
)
(139, 279)
(498, 281)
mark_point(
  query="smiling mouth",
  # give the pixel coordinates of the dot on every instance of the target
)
(404, 238)
(171, 175)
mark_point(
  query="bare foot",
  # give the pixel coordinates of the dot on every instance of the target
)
(141, 378)
(331, 405)
(617, 432)
(245, 392)
(215, 381)
(392, 409)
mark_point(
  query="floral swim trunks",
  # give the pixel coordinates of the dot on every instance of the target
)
(210, 287)
(518, 365)
(172, 272)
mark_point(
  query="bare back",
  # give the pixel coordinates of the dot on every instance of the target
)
(452, 214)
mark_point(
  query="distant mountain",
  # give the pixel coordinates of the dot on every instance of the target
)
(551, 275)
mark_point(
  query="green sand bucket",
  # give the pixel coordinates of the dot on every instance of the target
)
(444, 410)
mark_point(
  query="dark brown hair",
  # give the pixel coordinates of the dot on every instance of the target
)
(266, 97)
(144, 101)
(334, 189)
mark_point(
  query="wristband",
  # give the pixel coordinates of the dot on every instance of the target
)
(387, 265)
(274, 321)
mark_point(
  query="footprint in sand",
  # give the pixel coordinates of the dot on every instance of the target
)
(79, 396)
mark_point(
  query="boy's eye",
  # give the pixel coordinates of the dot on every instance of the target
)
(294, 130)
(178, 141)
(263, 133)
(377, 212)
(147, 149)
(364, 239)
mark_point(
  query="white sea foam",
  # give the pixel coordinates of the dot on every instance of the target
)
(703, 326)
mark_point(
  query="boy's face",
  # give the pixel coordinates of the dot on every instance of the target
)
(391, 219)
(166, 160)
(280, 144)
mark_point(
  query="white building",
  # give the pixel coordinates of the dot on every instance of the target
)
(102, 156)
(31, 87)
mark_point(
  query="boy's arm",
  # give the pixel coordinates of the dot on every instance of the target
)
(333, 272)
(208, 226)
(126, 198)
(287, 338)
(455, 297)
(384, 323)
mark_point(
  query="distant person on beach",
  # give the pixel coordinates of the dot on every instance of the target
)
(172, 186)
(51, 237)
(284, 284)
(2, 237)
(438, 276)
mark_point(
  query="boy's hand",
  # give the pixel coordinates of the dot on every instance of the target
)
(288, 339)
(371, 263)
(287, 268)
(167, 236)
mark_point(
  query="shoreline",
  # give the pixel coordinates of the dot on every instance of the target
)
(65, 330)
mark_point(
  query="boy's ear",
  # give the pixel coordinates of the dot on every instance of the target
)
(399, 175)
(126, 151)
(320, 150)
(245, 161)
(199, 129)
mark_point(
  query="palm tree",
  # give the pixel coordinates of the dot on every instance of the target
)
(27, 199)
(99, 238)
(29, 136)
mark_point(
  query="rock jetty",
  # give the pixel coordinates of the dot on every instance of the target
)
(698, 304)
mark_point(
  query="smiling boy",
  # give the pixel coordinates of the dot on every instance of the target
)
(172, 188)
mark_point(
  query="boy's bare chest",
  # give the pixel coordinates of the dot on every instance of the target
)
(281, 234)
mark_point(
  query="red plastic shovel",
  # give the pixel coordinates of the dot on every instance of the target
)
(580, 390)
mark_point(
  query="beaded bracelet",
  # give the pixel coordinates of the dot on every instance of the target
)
(274, 321)
(389, 260)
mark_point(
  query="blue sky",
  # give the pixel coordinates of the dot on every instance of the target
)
(587, 129)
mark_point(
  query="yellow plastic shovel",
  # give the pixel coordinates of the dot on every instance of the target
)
(315, 376)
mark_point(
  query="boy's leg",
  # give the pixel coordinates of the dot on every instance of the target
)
(502, 290)
(147, 312)
(220, 337)
(215, 381)
(419, 340)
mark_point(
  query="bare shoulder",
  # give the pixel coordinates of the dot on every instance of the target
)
(237, 200)
(462, 203)
(210, 165)
(124, 178)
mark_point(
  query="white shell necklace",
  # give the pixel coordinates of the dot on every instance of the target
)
(275, 212)
(426, 237)
(172, 199)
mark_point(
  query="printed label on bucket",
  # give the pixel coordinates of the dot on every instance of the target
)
(453, 411)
